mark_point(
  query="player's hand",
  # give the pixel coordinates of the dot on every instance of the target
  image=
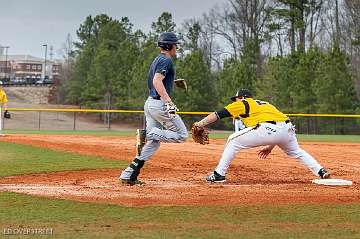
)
(171, 108)
(263, 153)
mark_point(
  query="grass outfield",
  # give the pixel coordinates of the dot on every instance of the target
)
(69, 219)
(213, 135)
(74, 132)
(23, 159)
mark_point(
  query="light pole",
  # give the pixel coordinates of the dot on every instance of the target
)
(45, 45)
(6, 56)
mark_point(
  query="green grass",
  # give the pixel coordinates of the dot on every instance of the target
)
(213, 135)
(308, 137)
(74, 132)
(70, 219)
(330, 138)
(22, 159)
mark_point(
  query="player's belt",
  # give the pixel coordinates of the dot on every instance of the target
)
(155, 97)
(274, 122)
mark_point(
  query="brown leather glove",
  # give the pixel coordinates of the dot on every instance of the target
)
(200, 134)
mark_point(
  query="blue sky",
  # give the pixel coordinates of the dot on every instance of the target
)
(25, 25)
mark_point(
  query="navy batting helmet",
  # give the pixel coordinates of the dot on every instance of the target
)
(167, 39)
(242, 93)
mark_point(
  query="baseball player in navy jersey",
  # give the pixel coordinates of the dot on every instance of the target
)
(265, 126)
(162, 122)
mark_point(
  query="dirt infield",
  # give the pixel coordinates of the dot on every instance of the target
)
(175, 176)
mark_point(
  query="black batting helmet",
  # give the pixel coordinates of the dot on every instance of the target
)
(242, 93)
(167, 39)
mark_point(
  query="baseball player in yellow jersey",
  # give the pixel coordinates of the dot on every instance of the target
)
(265, 125)
(3, 105)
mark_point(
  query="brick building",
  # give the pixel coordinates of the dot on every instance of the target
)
(26, 68)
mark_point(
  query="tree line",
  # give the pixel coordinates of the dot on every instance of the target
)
(301, 55)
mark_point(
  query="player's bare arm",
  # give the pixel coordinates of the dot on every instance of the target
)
(159, 87)
(211, 118)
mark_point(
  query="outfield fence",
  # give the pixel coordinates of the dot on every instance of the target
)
(93, 119)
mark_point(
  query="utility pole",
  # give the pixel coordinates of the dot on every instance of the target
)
(45, 45)
(6, 60)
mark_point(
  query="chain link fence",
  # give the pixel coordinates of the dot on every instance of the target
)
(86, 119)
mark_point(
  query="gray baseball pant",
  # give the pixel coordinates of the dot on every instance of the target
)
(161, 127)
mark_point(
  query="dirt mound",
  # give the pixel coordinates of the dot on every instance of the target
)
(175, 176)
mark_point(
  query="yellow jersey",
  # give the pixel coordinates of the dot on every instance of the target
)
(254, 111)
(3, 98)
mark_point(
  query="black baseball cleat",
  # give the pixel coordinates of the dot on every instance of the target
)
(323, 173)
(130, 174)
(215, 178)
(132, 182)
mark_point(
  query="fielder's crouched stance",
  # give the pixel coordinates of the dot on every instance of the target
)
(266, 125)
(162, 122)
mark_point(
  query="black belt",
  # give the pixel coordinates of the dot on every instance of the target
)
(274, 122)
(155, 97)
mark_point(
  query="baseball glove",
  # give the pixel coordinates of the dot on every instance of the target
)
(200, 134)
(181, 83)
(7, 114)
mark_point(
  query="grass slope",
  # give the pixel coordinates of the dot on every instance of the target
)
(22, 159)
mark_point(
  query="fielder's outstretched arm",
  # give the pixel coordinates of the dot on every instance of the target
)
(213, 117)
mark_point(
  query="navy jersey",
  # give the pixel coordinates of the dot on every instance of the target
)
(164, 66)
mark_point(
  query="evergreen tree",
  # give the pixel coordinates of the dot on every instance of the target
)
(334, 86)
(201, 94)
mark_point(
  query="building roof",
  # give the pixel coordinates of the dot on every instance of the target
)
(21, 58)
(25, 59)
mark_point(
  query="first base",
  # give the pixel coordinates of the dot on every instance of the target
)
(332, 182)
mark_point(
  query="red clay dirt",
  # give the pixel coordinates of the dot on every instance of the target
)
(175, 175)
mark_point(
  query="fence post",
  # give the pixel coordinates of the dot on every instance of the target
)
(74, 126)
(109, 120)
(39, 119)
(143, 121)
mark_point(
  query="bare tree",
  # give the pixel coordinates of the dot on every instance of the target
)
(58, 88)
(351, 37)
(238, 25)
(301, 19)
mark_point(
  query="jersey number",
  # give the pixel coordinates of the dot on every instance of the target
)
(260, 102)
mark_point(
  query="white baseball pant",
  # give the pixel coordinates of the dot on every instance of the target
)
(281, 134)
